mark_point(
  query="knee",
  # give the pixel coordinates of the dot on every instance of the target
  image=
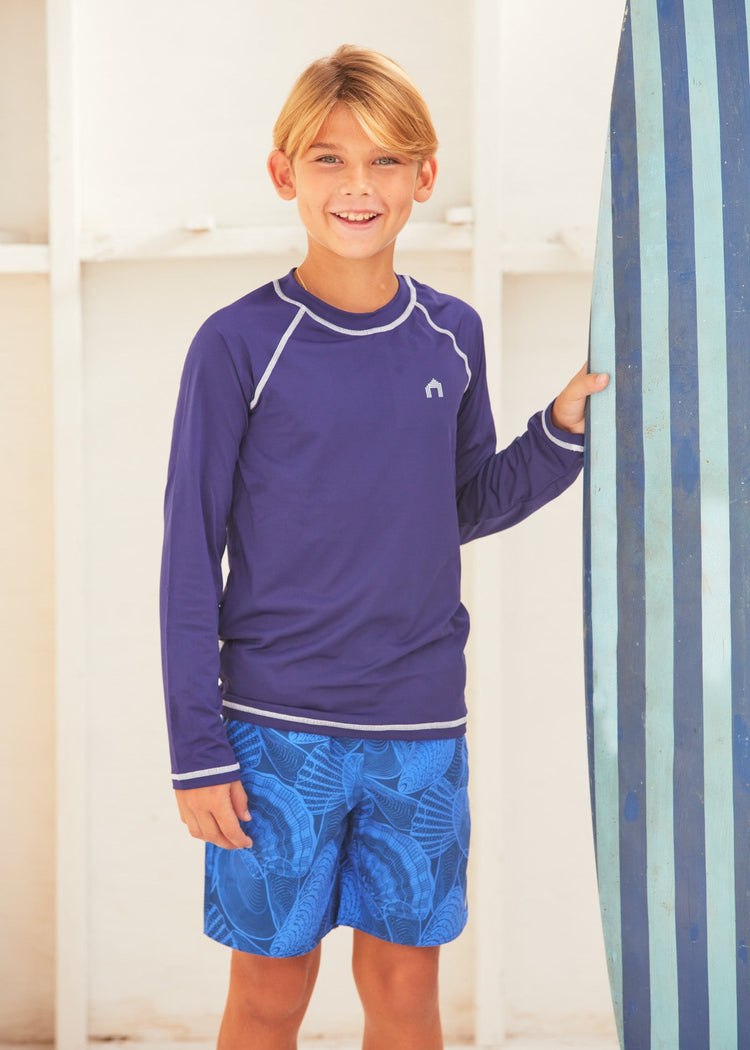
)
(272, 992)
(403, 980)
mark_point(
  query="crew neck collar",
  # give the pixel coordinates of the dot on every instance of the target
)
(388, 316)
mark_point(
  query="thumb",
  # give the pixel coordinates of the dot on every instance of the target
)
(238, 797)
(597, 380)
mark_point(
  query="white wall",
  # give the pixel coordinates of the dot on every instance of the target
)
(549, 878)
(26, 673)
(23, 147)
(175, 102)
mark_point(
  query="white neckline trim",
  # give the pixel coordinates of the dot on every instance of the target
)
(351, 331)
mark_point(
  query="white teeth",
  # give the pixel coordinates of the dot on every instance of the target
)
(356, 216)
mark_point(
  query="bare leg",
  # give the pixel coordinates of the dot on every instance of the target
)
(267, 1001)
(398, 986)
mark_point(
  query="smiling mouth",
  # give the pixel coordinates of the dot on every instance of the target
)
(357, 218)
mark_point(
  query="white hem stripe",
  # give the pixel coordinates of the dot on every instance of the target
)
(363, 729)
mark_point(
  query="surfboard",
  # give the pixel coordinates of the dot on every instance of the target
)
(667, 530)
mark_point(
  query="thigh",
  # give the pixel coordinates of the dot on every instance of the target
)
(278, 898)
(404, 875)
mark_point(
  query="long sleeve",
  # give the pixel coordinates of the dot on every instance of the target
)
(210, 424)
(498, 489)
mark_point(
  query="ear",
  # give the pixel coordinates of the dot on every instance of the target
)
(282, 175)
(425, 180)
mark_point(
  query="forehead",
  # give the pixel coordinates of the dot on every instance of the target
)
(342, 129)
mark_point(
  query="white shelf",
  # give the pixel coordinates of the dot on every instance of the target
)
(557, 256)
(242, 242)
(250, 241)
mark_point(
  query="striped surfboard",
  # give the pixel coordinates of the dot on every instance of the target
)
(667, 530)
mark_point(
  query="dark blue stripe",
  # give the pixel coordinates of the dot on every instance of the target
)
(630, 556)
(690, 875)
(734, 111)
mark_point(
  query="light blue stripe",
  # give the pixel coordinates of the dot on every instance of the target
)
(602, 468)
(657, 528)
(713, 415)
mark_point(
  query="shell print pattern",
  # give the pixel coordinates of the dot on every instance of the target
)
(300, 931)
(433, 824)
(394, 871)
(285, 756)
(386, 758)
(320, 781)
(398, 810)
(447, 915)
(424, 766)
(282, 828)
(246, 742)
(371, 834)
(237, 891)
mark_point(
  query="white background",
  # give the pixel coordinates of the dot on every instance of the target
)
(169, 118)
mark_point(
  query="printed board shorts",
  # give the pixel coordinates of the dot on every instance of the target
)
(372, 834)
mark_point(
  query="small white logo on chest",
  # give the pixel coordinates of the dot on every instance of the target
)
(433, 387)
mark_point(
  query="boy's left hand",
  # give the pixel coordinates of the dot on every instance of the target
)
(569, 407)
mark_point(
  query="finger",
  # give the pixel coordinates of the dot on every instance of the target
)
(203, 823)
(210, 831)
(238, 798)
(229, 828)
(226, 817)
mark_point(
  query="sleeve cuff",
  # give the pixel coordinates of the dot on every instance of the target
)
(562, 438)
(206, 777)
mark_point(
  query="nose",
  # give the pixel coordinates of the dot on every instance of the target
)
(358, 180)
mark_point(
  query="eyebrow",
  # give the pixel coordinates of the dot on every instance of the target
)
(324, 145)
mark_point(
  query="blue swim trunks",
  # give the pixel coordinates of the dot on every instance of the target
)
(372, 834)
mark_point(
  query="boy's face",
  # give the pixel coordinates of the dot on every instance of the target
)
(353, 197)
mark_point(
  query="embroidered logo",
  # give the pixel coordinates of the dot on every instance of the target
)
(433, 387)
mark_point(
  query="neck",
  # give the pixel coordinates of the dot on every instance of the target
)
(357, 286)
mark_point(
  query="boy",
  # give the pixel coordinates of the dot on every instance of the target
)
(333, 430)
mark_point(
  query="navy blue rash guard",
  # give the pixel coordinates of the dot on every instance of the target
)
(341, 459)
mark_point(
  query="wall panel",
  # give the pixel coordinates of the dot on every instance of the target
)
(27, 875)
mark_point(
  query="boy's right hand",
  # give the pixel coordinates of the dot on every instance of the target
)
(214, 814)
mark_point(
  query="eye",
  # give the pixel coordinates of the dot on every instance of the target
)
(326, 159)
(387, 161)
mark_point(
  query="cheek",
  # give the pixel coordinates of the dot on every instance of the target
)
(399, 197)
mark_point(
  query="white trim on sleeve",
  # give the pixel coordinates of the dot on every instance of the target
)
(206, 772)
(558, 441)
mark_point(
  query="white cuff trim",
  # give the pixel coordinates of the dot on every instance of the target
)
(558, 441)
(206, 772)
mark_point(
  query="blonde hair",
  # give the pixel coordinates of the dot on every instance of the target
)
(378, 91)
